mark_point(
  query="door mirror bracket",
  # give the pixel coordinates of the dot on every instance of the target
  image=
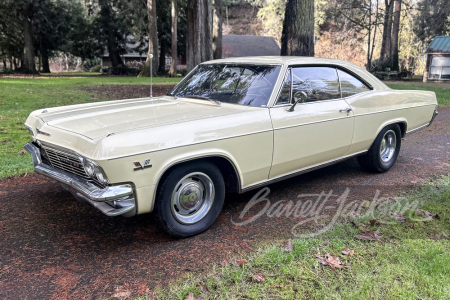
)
(298, 97)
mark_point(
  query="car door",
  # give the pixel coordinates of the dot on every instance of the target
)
(320, 127)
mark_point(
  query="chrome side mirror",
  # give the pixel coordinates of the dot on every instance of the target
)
(298, 97)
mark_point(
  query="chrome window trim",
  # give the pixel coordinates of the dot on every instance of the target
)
(287, 72)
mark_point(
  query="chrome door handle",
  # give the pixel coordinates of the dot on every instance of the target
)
(347, 110)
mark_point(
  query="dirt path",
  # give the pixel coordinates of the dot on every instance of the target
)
(52, 247)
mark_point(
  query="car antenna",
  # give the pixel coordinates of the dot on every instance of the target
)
(151, 75)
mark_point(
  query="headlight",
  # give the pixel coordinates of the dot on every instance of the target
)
(89, 167)
(101, 177)
(94, 171)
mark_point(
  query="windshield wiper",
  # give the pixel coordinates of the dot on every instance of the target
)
(203, 98)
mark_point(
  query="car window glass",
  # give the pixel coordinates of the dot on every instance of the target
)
(350, 85)
(243, 84)
(318, 83)
(285, 93)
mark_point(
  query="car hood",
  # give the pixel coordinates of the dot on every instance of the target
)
(97, 120)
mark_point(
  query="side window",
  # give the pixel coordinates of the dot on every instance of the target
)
(318, 83)
(350, 85)
(285, 94)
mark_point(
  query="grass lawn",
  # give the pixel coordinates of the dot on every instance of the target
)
(19, 97)
(72, 74)
(405, 263)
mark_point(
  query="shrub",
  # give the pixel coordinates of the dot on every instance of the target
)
(96, 68)
(8, 71)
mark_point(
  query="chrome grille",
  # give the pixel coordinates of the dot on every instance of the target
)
(67, 161)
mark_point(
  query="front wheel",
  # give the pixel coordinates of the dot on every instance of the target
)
(384, 151)
(190, 198)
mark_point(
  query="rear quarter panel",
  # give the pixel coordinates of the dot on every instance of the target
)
(375, 110)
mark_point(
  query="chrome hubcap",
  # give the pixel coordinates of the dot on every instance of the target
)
(388, 145)
(192, 198)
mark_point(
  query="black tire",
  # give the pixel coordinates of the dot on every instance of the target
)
(167, 212)
(372, 160)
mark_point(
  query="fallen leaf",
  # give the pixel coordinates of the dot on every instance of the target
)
(12, 146)
(409, 224)
(436, 236)
(347, 251)
(371, 294)
(445, 235)
(258, 277)
(369, 236)
(143, 289)
(22, 152)
(239, 262)
(191, 296)
(122, 295)
(329, 260)
(287, 246)
(6, 141)
(424, 213)
(398, 217)
(374, 222)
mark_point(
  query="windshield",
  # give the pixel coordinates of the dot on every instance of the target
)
(249, 85)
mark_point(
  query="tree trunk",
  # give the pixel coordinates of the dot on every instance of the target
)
(395, 34)
(162, 59)
(28, 65)
(297, 38)
(45, 64)
(173, 67)
(4, 64)
(217, 29)
(152, 41)
(374, 33)
(369, 39)
(199, 35)
(14, 63)
(110, 32)
(385, 53)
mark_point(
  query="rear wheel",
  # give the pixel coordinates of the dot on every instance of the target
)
(384, 151)
(190, 198)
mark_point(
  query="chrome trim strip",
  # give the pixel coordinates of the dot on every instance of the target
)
(435, 113)
(209, 141)
(86, 190)
(417, 129)
(299, 172)
(382, 111)
(323, 121)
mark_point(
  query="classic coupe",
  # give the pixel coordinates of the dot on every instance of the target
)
(230, 125)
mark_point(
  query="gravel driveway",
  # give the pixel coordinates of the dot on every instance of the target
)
(54, 247)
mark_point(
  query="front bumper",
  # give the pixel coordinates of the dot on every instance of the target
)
(111, 200)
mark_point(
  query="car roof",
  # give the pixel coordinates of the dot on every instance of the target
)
(291, 60)
(305, 60)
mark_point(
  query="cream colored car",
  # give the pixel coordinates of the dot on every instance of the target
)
(229, 125)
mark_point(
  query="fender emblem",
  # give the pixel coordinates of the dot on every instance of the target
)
(142, 167)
